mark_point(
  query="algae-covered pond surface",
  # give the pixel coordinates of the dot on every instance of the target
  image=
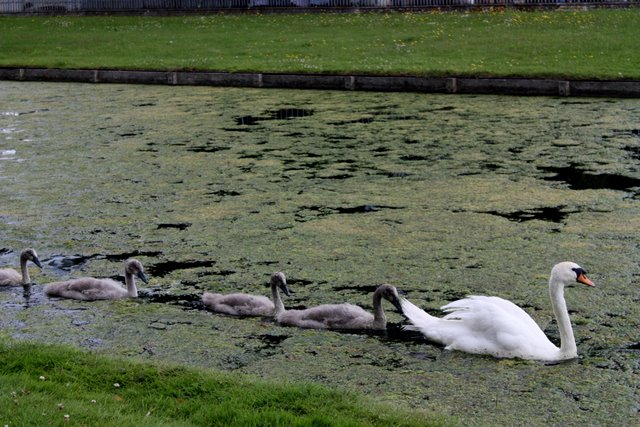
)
(214, 189)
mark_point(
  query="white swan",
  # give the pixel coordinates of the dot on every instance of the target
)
(89, 288)
(343, 316)
(10, 277)
(492, 325)
(249, 305)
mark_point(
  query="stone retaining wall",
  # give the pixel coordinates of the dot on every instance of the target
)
(463, 85)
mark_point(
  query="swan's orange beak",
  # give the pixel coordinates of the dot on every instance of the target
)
(584, 279)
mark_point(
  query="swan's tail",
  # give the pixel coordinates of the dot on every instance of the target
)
(420, 319)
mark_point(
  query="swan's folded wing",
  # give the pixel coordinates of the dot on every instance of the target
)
(490, 325)
(504, 313)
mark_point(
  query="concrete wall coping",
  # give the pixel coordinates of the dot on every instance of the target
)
(451, 85)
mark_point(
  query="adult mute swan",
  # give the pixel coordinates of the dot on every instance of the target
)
(343, 316)
(492, 325)
(249, 305)
(10, 277)
(89, 288)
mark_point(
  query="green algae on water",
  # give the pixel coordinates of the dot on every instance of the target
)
(213, 189)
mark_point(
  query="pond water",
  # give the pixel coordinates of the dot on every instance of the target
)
(213, 189)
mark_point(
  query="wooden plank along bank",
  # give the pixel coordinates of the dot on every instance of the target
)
(453, 85)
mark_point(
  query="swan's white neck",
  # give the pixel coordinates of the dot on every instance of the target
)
(132, 291)
(567, 341)
(26, 279)
(277, 301)
(379, 319)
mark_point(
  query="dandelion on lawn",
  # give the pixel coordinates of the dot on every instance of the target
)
(42, 378)
(93, 401)
(60, 405)
(116, 385)
(66, 417)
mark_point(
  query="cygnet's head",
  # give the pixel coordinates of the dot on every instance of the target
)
(390, 293)
(30, 255)
(134, 267)
(278, 279)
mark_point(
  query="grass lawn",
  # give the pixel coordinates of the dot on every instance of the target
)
(54, 385)
(601, 43)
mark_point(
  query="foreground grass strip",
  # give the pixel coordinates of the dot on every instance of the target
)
(598, 43)
(52, 385)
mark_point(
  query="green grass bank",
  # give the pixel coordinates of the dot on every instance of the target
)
(576, 44)
(55, 385)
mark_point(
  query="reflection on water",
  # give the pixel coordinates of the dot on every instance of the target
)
(214, 189)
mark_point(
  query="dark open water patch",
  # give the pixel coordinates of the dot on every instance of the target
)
(267, 262)
(305, 213)
(224, 193)
(72, 262)
(186, 301)
(255, 156)
(445, 108)
(180, 226)
(223, 273)
(392, 174)
(366, 289)
(317, 165)
(393, 333)
(280, 114)
(339, 176)
(162, 269)
(67, 262)
(272, 341)
(126, 255)
(556, 214)
(207, 148)
(350, 210)
(129, 134)
(633, 150)
(414, 158)
(579, 179)
(362, 120)
(297, 282)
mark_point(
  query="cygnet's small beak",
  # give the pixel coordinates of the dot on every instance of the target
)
(143, 277)
(36, 261)
(397, 305)
(286, 289)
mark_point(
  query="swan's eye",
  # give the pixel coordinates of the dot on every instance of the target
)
(579, 271)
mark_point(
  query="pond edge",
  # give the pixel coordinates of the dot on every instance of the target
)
(451, 85)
